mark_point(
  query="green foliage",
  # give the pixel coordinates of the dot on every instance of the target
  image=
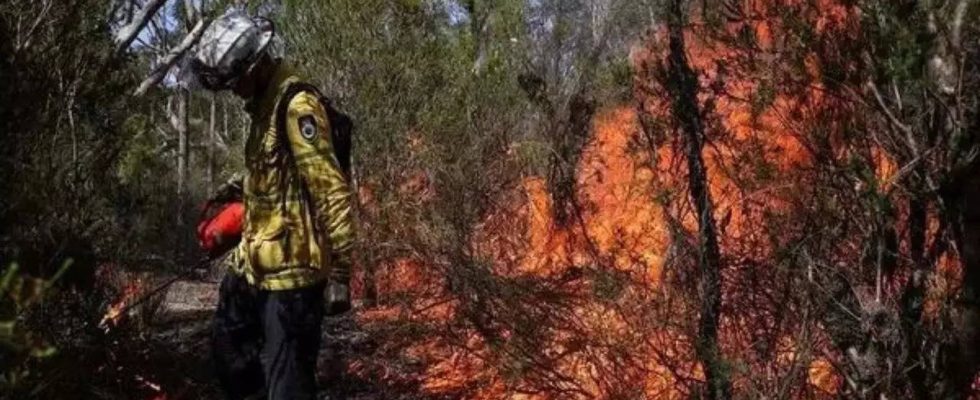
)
(406, 74)
(19, 346)
(139, 160)
(615, 80)
(66, 118)
(899, 40)
(61, 113)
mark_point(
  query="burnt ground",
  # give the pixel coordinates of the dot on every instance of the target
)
(162, 350)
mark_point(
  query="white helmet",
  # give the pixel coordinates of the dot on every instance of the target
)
(229, 47)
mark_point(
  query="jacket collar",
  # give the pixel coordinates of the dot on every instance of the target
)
(261, 105)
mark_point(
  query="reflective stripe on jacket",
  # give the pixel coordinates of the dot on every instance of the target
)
(298, 227)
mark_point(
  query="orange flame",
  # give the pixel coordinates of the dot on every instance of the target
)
(620, 218)
(624, 227)
(114, 314)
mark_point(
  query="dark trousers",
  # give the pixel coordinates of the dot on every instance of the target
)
(267, 340)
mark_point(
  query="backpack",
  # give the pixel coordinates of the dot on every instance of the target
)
(341, 125)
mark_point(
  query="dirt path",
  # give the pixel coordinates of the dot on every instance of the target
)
(182, 325)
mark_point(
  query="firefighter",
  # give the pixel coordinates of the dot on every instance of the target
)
(292, 265)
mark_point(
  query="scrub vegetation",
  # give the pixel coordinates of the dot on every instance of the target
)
(556, 199)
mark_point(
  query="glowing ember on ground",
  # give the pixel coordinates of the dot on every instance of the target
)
(150, 385)
(115, 312)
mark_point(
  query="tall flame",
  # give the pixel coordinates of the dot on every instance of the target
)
(634, 220)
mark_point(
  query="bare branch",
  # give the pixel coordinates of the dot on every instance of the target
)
(160, 35)
(25, 40)
(892, 183)
(886, 110)
(148, 45)
(959, 16)
(129, 32)
(191, 11)
(171, 58)
(163, 134)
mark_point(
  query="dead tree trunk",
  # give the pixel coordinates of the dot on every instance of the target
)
(913, 297)
(682, 85)
(479, 30)
(183, 155)
(192, 23)
(212, 138)
(224, 121)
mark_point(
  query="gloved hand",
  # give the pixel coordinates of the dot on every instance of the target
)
(337, 298)
(229, 191)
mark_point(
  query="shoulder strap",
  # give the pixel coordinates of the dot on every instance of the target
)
(341, 126)
(341, 135)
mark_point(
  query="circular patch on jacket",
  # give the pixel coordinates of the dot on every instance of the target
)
(307, 128)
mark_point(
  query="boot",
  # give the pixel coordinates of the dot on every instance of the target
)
(337, 298)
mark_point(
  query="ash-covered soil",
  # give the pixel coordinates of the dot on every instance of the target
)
(175, 362)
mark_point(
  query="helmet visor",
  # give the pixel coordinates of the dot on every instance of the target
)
(214, 79)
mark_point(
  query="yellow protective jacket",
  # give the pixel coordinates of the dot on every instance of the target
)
(298, 228)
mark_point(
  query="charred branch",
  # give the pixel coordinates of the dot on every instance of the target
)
(682, 84)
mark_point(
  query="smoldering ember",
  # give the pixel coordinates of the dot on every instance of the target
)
(471, 199)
